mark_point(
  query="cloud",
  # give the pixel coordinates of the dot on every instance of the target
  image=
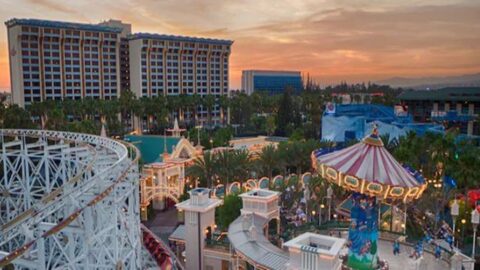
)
(51, 6)
(354, 40)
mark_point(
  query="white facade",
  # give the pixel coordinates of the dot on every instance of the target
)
(311, 251)
(262, 202)
(59, 60)
(199, 215)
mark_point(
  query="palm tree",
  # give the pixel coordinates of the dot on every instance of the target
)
(224, 103)
(208, 102)
(88, 108)
(241, 164)
(204, 168)
(126, 103)
(268, 160)
(390, 144)
(16, 117)
(225, 166)
(173, 104)
(40, 110)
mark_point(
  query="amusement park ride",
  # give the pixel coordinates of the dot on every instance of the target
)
(374, 176)
(68, 201)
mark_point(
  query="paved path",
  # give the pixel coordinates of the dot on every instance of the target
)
(403, 262)
(163, 224)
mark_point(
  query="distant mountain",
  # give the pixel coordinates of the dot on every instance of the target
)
(433, 82)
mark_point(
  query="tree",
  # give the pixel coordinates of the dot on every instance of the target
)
(126, 103)
(16, 117)
(222, 136)
(285, 117)
(225, 166)
(208, 102)
(229, 211)
(241, 164)
(268, 160)
(204, 168)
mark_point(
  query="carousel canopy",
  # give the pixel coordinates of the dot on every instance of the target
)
(367, 167)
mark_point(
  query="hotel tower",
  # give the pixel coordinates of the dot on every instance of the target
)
(62, 60)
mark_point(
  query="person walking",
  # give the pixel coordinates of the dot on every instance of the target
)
(396, 248)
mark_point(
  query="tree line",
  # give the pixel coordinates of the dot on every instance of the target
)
(284, 115)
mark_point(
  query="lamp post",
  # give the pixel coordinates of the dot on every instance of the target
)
(320, 214)
(454, 211)
(475, 222)
(329, 198)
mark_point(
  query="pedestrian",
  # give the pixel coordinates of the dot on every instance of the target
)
(438, 252)
(396, 248)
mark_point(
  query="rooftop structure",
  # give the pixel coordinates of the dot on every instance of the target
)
(199, 216)
(255, 144)
(341, 123)
(62, 25)
(262, 202)
(457, 94)
(180, 38)
(453, 106)
(176, 131)
(311, 251)
(199, 201)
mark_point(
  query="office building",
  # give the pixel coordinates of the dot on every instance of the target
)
(271, 81)
(452, 106)
(174, 65)
(52, 60)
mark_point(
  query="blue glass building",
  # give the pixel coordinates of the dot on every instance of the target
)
(271, 82)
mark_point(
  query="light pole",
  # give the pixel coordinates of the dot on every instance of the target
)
(320, 214)
(198, 133)
(475, 221)
(454, 211)
(329, 198)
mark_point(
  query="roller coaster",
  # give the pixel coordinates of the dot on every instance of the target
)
(69, 201)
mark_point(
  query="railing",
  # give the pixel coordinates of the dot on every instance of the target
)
(121, 164)
(223, 244)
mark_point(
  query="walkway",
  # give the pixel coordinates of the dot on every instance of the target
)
(163, 224)
(403, 262)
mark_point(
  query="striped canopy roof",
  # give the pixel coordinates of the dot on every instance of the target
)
(370, 161)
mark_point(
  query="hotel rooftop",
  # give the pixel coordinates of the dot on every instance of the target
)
(59, 24)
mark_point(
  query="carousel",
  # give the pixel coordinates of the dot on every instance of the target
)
(373, 176)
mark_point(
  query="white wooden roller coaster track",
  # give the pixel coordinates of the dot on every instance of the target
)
(68, 201)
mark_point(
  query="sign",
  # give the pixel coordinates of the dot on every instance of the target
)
(401, 110)
(330, 108)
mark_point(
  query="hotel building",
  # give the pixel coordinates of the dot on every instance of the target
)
(57, 60)
(52, 60)
(173, 65)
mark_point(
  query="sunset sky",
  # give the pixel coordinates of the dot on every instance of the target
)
(332, 40)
